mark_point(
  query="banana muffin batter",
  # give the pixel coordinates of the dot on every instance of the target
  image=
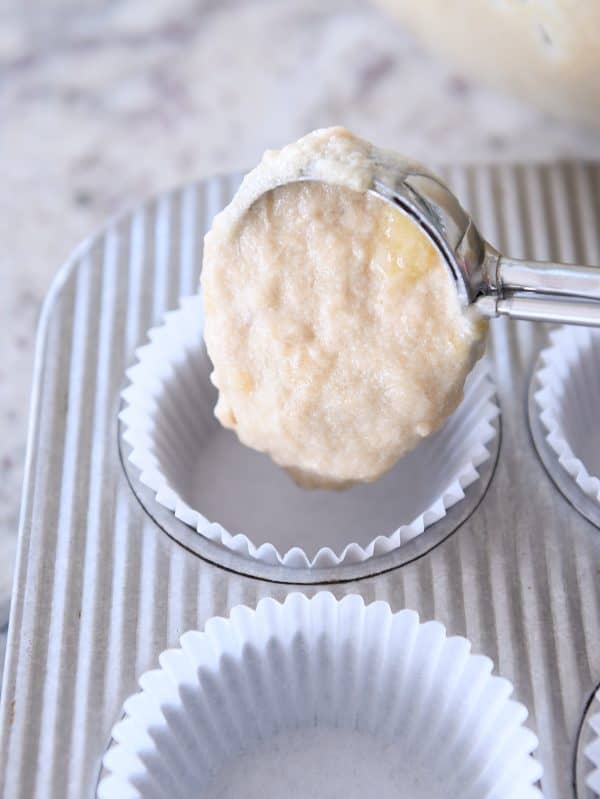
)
(334, 328)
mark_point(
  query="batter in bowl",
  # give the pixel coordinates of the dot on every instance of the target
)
(334, 328)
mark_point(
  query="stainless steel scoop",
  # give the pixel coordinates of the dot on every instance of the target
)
(497, 284)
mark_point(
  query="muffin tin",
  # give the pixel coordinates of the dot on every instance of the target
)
(101, 590)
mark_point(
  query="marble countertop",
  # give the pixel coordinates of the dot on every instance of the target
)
(105, 102)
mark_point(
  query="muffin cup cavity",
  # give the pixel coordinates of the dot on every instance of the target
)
(567, 401)
(592, 750)
(241, 500)
(280, 700)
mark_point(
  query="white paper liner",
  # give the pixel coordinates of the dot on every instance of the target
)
(200, 471)
(568, 400)
(592, 750)
(320, 697)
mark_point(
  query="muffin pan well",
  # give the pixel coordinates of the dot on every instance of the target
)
(262, 522)
(101, 590)
(564, 403)
(281, 701)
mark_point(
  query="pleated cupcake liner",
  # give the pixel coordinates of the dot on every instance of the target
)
(279, 700)
(592, 750)
(168, 422)
(568, 397)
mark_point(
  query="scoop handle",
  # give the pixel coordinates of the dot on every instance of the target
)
(547, 277)
(544, 291)
(542, 309)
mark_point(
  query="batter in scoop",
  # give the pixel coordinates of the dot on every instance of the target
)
(335, 331)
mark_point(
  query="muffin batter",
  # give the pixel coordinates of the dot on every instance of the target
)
(334, 328)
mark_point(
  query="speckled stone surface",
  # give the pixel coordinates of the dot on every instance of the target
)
(105, 102)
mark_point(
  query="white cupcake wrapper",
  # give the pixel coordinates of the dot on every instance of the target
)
(310, 687)
(158, 426)
(568, 399)
(592, 750)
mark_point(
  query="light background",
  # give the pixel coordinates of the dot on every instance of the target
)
(104, 102)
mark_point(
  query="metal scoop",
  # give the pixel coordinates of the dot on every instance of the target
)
(497, 284)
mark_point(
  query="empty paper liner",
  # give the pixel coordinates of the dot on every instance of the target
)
(569, 380)
(320, 697)
(242, 500)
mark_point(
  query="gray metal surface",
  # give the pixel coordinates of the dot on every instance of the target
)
(101, 590)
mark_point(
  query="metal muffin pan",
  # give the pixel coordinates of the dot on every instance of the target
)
(100, 588)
